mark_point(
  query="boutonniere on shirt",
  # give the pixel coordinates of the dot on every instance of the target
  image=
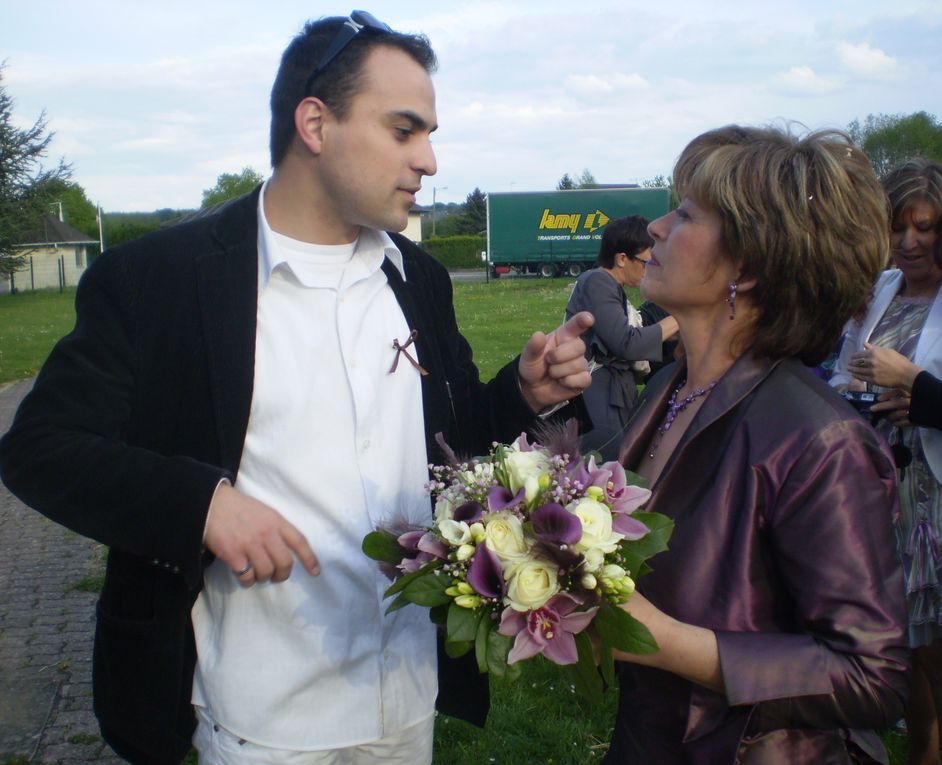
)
(401, 350)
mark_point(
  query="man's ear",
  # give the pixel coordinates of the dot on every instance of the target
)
(310, 116)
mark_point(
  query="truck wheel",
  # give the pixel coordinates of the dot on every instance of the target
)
(574, 269)
(547, 270)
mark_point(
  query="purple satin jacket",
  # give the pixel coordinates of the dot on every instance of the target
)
(783, 499)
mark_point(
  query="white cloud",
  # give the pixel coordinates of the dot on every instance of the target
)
(803, 80)
(867, 61)
(594, 85)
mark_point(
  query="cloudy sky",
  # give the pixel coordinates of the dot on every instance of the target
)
(150, 102)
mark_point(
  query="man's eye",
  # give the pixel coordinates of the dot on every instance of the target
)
(403, 132)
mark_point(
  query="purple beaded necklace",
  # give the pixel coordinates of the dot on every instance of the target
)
(675, 407)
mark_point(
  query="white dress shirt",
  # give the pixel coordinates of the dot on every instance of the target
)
(336, 444)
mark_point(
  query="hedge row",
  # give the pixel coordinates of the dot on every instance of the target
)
(456, 251)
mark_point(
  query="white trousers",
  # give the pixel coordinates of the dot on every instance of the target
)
(217, 746)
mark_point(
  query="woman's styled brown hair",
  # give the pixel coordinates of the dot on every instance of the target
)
(917, 180)
(804, 216)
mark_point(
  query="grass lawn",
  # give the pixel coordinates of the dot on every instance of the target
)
(538, 719)
(30, 324)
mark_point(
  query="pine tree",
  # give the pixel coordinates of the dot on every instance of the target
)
(24, 183)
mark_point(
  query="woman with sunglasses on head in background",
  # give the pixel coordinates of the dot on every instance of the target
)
(896, 350)
(778, 608)
(617, 345)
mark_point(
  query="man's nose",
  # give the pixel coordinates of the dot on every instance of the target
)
(425, 161)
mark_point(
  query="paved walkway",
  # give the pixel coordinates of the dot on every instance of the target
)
(48, 589)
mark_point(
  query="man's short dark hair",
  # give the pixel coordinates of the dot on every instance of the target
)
(340, 81)
(628, 235)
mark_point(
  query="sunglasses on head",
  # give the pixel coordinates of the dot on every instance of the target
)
(358, 21)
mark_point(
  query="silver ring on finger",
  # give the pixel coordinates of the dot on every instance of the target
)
(244, 570)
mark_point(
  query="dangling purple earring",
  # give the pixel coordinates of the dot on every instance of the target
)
(731, 300)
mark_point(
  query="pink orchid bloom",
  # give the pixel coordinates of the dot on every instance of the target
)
(548, 630)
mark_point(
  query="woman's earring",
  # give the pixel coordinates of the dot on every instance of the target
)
(731, 300)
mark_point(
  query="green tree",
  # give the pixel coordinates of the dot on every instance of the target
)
(586, 180)
(77, 210)
(891, 139)
(566, 183)
(657, 182)
(474, 215)
(24, 182)
(231, 185)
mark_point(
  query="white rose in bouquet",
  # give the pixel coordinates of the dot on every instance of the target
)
(530, 584)
(523, 465)
(503, 534)
(596, 521)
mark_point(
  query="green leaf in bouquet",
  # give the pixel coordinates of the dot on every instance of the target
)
(428, 590)
(383, 546)
(463, 622)
(401, 601)
(622, 631)
(439, 614)
(480, 643)
(584, 674)
(498, 648)
(634, 564)
(635, 480)
(655, 541)
(458, 648)
(607, 663)
(404, 581)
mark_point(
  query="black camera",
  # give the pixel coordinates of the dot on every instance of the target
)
(862, 401)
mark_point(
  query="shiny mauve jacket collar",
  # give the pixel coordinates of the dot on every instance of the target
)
(782, 498)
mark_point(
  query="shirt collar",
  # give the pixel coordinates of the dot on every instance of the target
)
(270, 255)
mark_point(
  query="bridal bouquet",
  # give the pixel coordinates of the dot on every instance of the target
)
(531, 551)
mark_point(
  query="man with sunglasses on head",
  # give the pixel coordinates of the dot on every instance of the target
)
(242, 399)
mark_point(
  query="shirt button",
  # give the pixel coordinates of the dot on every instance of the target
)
(366, 444)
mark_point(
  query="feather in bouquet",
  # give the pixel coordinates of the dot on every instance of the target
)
(532, 550)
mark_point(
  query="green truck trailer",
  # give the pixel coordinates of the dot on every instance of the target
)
(552, 233)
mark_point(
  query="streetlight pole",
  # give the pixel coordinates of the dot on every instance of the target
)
(434, 208)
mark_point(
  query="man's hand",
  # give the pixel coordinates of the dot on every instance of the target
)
(553, 367)
(254, 540)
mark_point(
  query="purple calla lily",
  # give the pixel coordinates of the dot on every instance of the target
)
(484, 573)
(499, 498)
(555, 524)
(469, 512)
(548, 630)
(431, 544)
(410, 540)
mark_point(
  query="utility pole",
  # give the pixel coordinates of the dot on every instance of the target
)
(434, 207)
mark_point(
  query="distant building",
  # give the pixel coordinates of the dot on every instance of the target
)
(413, 229)
(56, 256)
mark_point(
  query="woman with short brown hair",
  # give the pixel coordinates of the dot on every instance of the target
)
(779, 607)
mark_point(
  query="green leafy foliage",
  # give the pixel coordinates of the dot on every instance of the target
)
(622, 631)
(891, 139)
(382, 546)
(24, 183)
(231, 185)
(457, 251)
